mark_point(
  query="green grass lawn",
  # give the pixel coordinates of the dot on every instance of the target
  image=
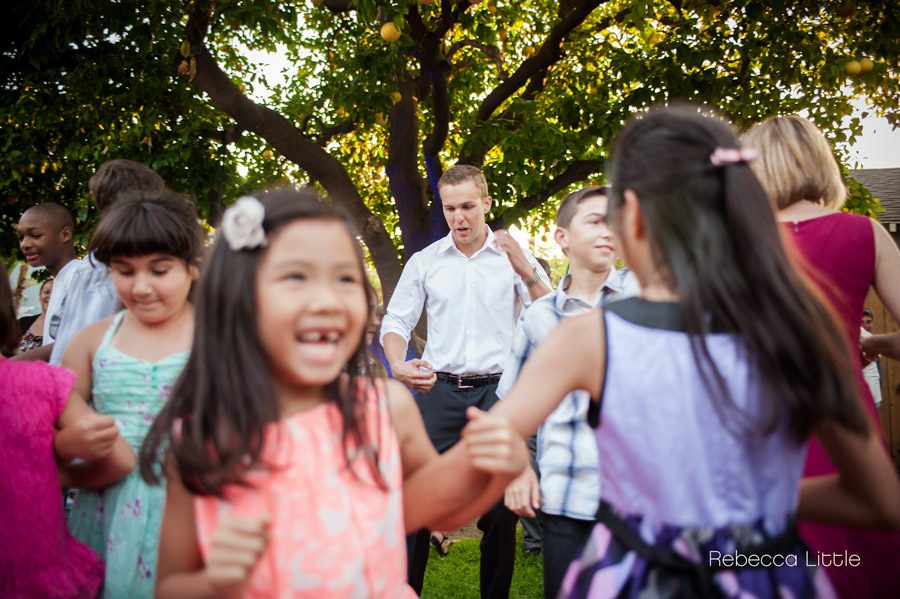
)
(456, 576)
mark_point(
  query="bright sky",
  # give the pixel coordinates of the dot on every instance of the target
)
(878, 146)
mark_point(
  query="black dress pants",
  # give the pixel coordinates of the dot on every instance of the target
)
(444, 412)
(564, 538)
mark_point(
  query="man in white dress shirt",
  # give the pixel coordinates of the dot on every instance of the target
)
(468, 282)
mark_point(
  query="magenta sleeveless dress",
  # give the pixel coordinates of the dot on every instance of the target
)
(839, 250)
(38, 556)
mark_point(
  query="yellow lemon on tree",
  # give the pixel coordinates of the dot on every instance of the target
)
(390, 32)
(866, 65)
(853, 68)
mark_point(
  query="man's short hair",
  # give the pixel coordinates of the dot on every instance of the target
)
(868, 312)
(569, 206)
(119, 177)
(57, 214)
(461, 173)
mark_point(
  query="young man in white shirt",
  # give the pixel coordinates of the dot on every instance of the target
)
(468, 283)
(45, 236)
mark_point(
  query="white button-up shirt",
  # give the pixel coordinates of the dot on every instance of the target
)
(470, 302)
(90, 295)
(57, 298)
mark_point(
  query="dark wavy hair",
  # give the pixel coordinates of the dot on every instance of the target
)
(149, 222)
(224, 398)
(716, 243)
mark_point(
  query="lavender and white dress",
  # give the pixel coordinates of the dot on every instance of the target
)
(687, 490)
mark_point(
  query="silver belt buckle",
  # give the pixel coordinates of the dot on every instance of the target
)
(461, 385)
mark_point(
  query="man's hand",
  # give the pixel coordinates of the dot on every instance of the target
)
(523, 495)
(514, 253)
(91, 438)
(416, 374)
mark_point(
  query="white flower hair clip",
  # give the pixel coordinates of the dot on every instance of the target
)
(242, 224)
(728, 156)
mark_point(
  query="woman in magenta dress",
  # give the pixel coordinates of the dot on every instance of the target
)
(845, 254)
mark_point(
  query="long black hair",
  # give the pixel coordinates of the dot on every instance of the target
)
(224, 399)
(716, 243)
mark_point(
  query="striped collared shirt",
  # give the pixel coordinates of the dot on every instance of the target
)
(566, 449)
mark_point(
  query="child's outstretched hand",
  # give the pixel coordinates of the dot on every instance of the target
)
(493, 445)
(236, 547)
(91, 437)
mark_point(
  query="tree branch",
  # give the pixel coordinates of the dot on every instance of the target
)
(440, 101)
(450, 12)
(225, 136)
(548, 54)
(492, 52)
(532, 72)
(338, 5)
(575, 172)
(328, 133)
(291, 143)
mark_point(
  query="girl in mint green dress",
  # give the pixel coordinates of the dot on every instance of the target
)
(127, 365)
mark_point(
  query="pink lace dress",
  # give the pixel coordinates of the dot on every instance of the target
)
(38, 556)
(334, 531)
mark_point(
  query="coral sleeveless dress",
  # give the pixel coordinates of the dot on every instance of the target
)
(334, 531)
(839, 251)
(121, 522)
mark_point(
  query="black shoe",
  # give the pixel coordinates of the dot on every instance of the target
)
(441, 543)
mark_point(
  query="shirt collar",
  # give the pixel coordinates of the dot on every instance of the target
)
(490, 242)
(612, 284)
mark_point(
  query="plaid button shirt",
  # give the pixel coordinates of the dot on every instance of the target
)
(566, 448)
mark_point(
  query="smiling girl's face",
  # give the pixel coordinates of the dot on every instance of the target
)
(154, 287)
(311, 299)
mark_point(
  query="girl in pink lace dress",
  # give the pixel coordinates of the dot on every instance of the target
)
(38, 556)
(291, 471)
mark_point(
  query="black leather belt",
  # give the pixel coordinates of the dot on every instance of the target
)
(467, 382)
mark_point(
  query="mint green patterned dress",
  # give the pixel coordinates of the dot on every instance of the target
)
(121, 522)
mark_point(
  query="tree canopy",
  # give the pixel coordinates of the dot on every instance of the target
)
(379, 97)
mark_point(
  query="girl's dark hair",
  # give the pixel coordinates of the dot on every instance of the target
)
(149, 222)
(9, 326)
(716, 242)
(224, 398)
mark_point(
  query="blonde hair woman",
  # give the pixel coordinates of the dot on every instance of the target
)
(845, 254)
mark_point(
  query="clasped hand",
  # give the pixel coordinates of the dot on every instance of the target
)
(90, 438)
(493, 445)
